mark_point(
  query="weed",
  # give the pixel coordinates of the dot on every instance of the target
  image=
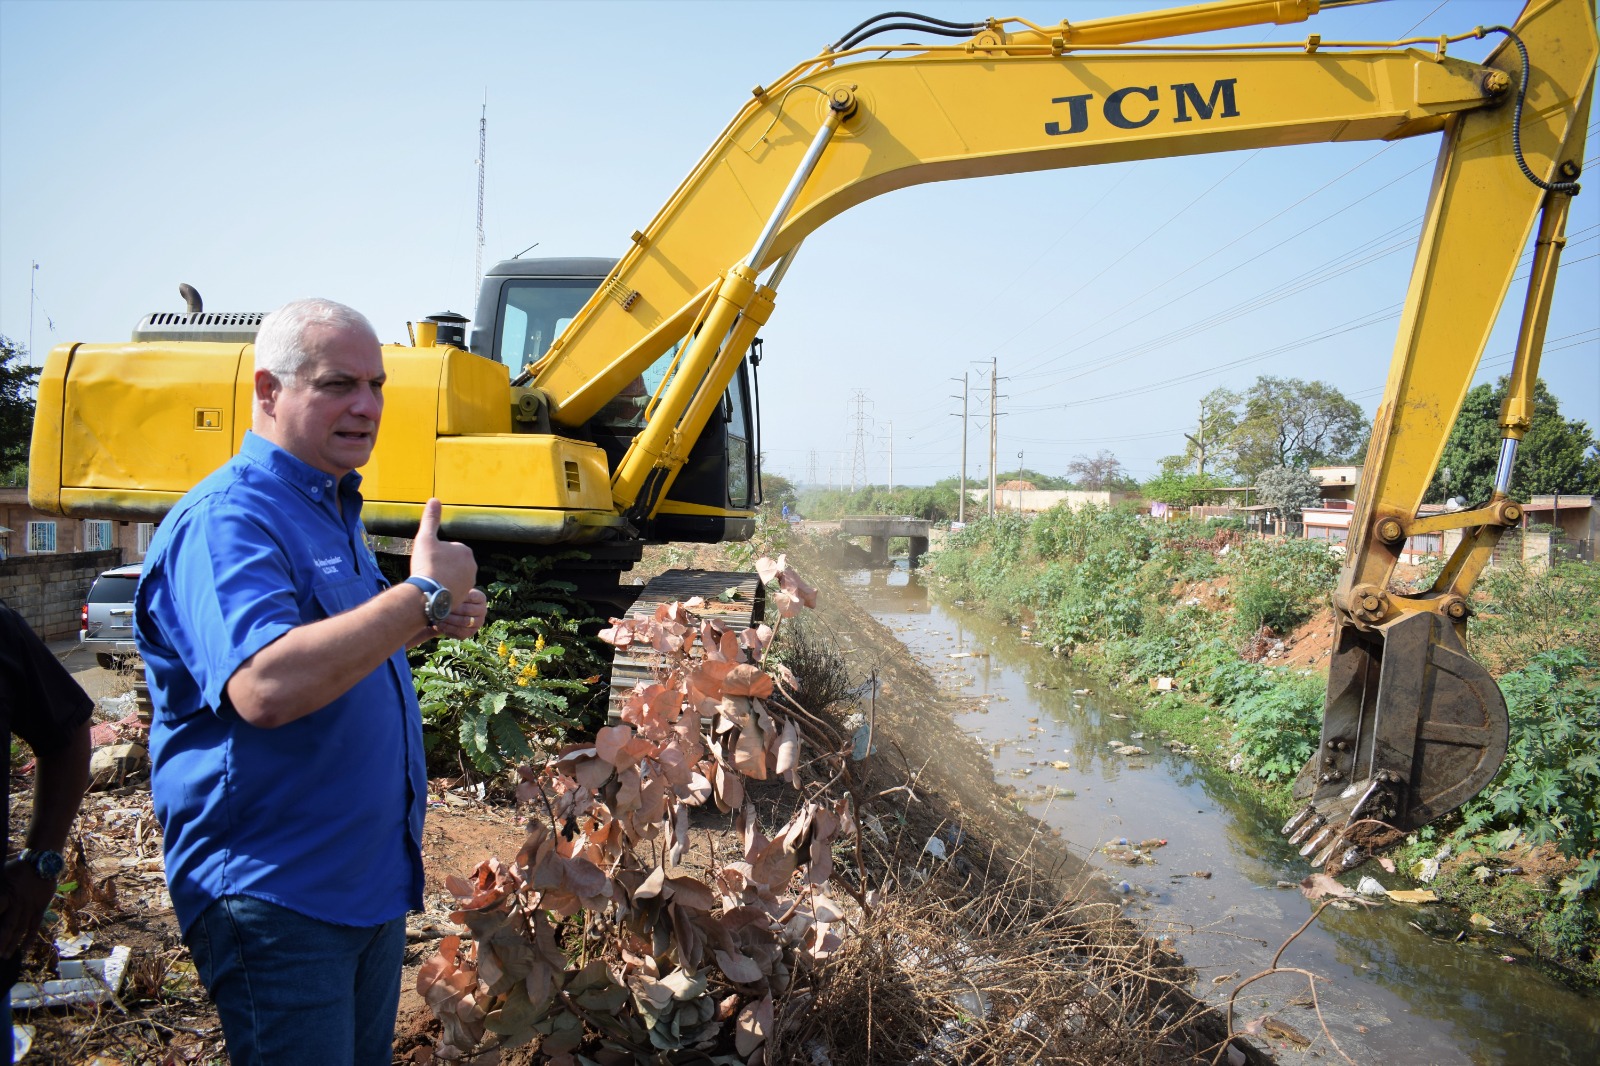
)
(1280, 583)
(821, 673)
(527, 678)
(1548, 791)
(1522, 612)
(1278, 726)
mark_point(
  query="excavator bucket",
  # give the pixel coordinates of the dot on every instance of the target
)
(1412, 728)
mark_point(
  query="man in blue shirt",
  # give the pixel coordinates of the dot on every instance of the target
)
(286, 746)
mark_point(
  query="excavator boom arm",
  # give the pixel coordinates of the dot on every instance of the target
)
(998, 104)
(1413, 727)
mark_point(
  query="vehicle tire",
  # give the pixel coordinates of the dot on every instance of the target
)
(106, 660)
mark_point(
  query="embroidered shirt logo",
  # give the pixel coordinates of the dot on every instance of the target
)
(330, 565)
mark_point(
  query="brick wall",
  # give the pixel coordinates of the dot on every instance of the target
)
(49, 590)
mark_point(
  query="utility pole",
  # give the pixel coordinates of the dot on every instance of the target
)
(1199, 441)
(1020, 468)
(483, 145)
(891, 455)
(32, 275)
(994, 425)
(811, 470)
(961, 500)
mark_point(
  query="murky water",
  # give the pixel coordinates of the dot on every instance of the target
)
(1390, 991)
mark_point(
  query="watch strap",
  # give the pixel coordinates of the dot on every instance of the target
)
(435, 598)
(46, 863)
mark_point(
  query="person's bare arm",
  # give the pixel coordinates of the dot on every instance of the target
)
(59, 780)
(312, 665)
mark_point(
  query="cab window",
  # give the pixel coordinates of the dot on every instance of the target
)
(533, 312)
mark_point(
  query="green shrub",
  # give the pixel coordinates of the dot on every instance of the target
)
(530, 676)
(484, 697)
(1548, 791)
(1278, 727)
(1280, 583)
(1522, 612)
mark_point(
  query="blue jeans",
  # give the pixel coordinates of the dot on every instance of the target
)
(291, 989)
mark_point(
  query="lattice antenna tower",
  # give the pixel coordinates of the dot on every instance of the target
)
(483, 151)
(859, 419)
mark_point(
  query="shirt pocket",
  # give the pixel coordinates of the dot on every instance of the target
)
(336, 597)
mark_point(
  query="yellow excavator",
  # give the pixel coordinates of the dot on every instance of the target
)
(604, 404)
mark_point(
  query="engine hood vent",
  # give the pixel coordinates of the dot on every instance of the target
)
(227, 327)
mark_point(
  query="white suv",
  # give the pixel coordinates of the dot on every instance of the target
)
(107, 622)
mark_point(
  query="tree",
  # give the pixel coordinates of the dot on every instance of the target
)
(1183, 489)
(1292, 423)
(1288, 491)
(1104, 471)
(16, 410)
(1556, 455)
(1214, 437)
(777, 491)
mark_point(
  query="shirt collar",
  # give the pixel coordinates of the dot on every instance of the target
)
(316, 484)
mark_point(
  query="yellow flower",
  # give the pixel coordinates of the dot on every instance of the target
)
(505, 652)
(522, 682)
(538, 645)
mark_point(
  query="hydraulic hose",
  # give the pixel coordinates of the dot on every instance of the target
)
(1571, 188)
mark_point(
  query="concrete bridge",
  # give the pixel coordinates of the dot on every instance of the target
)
(881, 527)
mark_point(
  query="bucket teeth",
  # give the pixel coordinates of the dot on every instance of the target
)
(1352, 857)
(1310, 826)
(1322, 837)
(1322, 856)
(1298, 820)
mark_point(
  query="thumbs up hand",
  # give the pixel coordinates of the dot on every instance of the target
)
(453, 566)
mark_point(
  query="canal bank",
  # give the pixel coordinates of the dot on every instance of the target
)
(1396, 983)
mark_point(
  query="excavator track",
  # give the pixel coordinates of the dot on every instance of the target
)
(736, 599)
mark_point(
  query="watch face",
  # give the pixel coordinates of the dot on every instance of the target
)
(48, 863)
(439, 606)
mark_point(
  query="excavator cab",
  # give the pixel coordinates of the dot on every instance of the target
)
(525, 304)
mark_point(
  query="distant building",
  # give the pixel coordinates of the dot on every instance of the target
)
(1576, 515)
(31, 532)
(1032, 500)
(1338, 482)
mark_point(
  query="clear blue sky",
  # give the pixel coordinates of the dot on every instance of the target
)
(265, 151)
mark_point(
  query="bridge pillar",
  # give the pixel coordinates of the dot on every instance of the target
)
(919, 548)
(880, 551)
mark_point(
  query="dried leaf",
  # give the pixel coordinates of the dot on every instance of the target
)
(692, 892)
(755, 1022)
(740, 969)
(617, 745)
(788, 754)
(747, 680)
(756, 638)
(685, 986)
(825, 908)
(1318, 885)
(794, 584)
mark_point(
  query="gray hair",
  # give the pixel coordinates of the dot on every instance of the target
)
(281, 339)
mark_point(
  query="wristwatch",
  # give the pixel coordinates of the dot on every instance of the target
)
(435, 599)
(46, 863)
